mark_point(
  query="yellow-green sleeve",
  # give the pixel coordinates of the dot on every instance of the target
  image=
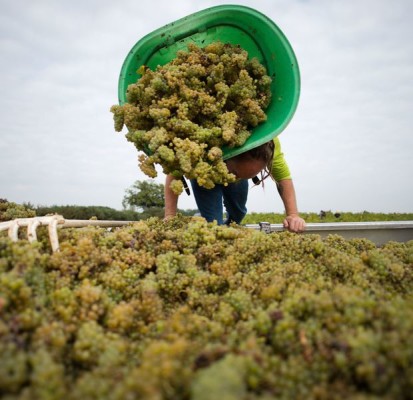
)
(280, 168)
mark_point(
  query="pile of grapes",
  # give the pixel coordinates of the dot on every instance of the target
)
(184, 112)
(184, 309)
(10, 210)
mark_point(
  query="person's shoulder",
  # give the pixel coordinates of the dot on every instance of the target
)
(277, 144)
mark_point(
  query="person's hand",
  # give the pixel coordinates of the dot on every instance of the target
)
(294, 223)
(168, 217)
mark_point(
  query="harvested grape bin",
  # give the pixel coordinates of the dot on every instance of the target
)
(186, 309)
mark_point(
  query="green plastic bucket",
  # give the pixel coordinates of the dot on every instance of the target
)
(237, 25)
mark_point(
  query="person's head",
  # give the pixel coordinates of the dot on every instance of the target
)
(252, 162)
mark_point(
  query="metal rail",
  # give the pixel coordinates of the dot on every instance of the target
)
(52, 222)
(377, 232)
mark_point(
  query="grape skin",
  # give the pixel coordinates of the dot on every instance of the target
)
(163, 309)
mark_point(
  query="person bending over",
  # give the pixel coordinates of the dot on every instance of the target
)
(266, 160)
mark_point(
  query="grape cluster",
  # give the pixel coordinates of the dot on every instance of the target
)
(185, 309)
(10, 210)
(182, 113)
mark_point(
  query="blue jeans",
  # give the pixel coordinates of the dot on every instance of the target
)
(234, 197)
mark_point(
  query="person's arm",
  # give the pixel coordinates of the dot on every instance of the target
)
(281, 174)
(293, 222)
(171, 199)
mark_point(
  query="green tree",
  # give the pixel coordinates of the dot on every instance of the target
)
(144, 195)
(87, 212)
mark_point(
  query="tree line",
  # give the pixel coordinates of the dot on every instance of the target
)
(144, 199)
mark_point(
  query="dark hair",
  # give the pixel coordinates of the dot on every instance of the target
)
(264, 152)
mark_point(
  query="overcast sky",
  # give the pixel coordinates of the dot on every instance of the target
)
(349, 145)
